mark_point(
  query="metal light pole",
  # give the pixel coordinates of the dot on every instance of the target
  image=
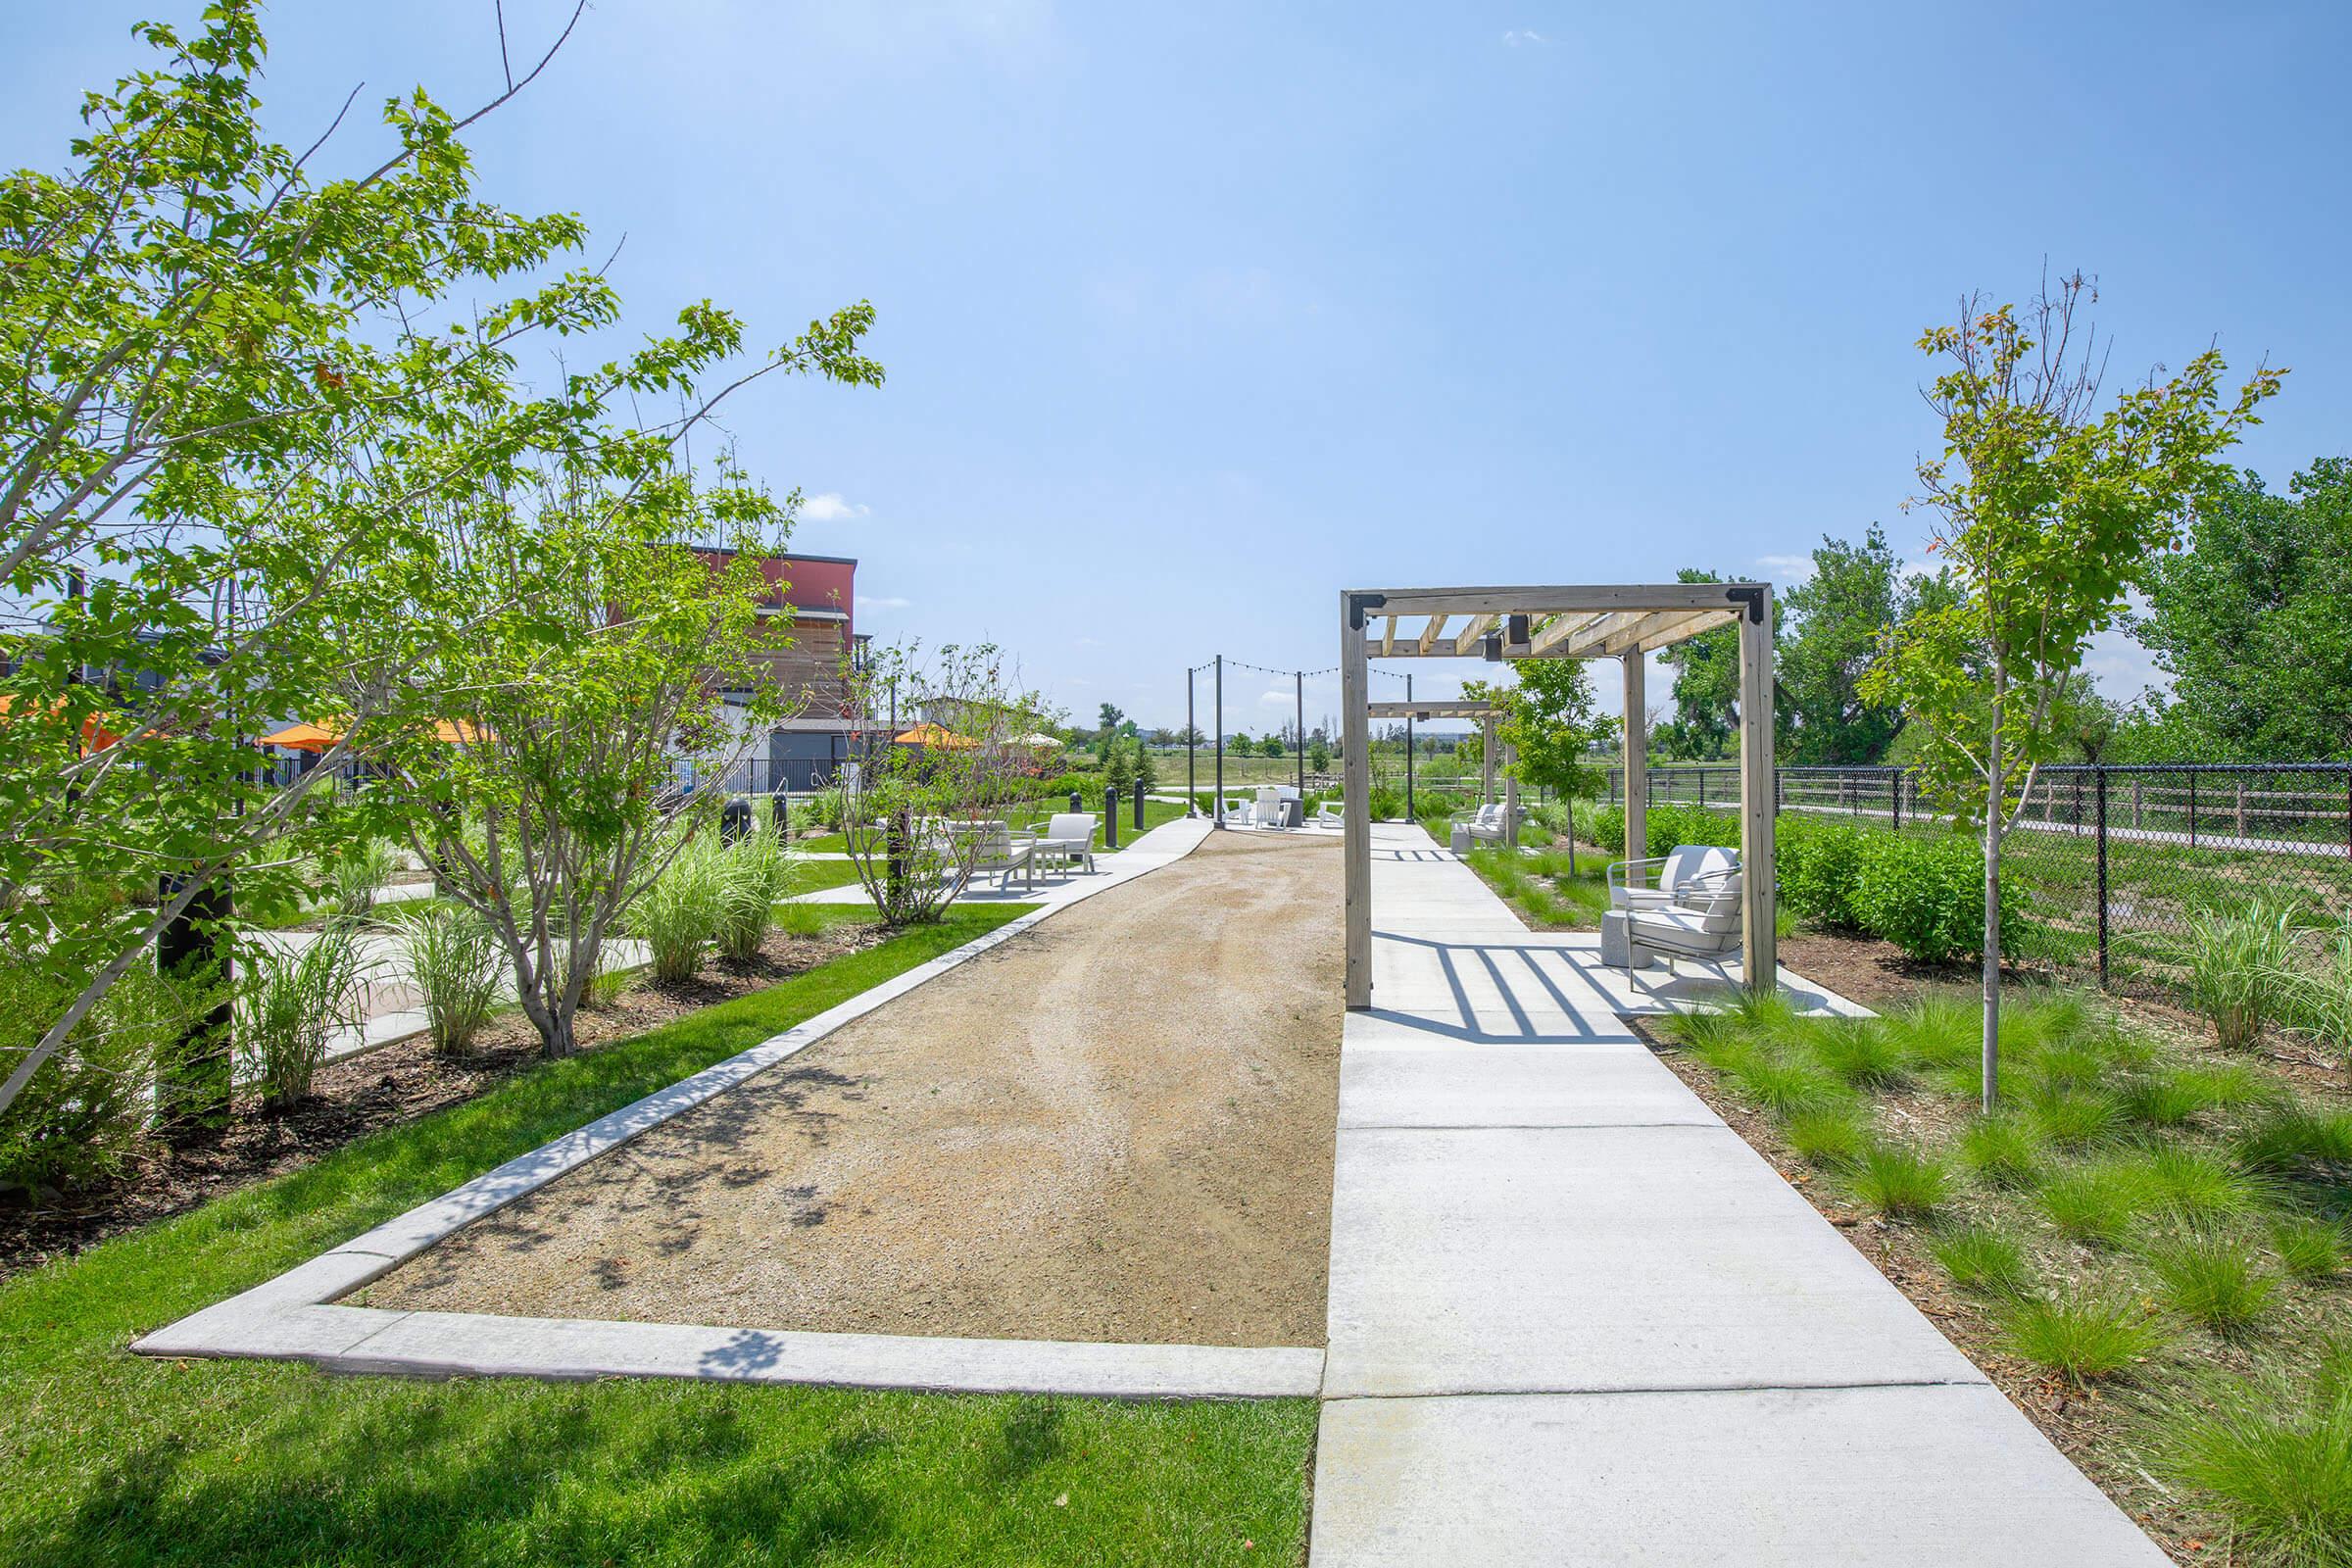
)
(1219, 811)
(1300, 737)
(1192, 735)
(1411, 815)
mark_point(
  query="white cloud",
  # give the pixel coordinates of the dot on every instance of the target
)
(883, 602)
(1278, 699)
(831, 507)
(1524, 35)
(1785, 568)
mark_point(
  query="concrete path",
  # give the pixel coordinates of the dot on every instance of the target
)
(1573, 1318)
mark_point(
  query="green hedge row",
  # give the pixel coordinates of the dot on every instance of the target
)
(1923, 891)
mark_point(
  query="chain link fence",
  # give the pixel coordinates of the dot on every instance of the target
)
(2108, 864)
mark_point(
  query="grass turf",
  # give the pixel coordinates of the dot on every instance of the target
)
(1155, 813)
(113, 1459)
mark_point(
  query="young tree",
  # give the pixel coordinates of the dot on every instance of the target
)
(1273, 746)
(209, 458)
(1706, 687)
(913, 816)
(1547, 724)
(1318, 753)
(2052, 509)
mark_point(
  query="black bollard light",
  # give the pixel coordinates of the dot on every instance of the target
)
(1139, 805)
(1077, 802)
(1110, 817)
(734, 819)
(193, 1081)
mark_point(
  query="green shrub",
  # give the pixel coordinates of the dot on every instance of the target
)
(754, 872)
(2211, 1278)
(1899, 1183)
(289, 1002)
(1830, 1135)
(2239, 963)
(1600, 825)
(1386, 802)
(1923, 893)
(2004, 1151)
(454, 961)
(1817, 865)
(80, 1116)
(2081, 1338)
(1983, 1259)
(2272, 1458)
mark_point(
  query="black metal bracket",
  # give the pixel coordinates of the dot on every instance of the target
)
(1750, 593)
(1358, 604)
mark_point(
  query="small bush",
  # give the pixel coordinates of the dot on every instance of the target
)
(1817, 863)
(1832, 1136)
(456, 966)
(2238, 965)
(80, 1116)
(2082, 1338)
(2003, 1151)
(2212, 1279)
(1983, 1259)
(2308, 1248)
(1899, 1183)
(290, 1001)
(1600, 825)
(754, 873)
(2273, 1459)
(1925, 893)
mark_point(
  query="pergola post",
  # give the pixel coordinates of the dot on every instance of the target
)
(1356, 791)
(1756, 793)
(1486, 762)
(1636, 755)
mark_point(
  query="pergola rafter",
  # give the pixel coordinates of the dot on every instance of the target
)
(1625, 623)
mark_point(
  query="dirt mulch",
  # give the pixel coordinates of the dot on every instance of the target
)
(1117, 1126)
(360, 1095)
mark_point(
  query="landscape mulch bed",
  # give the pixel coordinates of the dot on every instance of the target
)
(382, 1088)
(2088, 1424)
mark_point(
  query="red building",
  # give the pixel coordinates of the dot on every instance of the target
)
(812, 600)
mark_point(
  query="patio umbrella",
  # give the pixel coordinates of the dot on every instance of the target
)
(934, 735)
(1039, 742)
(303, 737)
(94, 735)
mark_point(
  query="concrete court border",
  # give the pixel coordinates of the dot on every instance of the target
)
(292, 1316)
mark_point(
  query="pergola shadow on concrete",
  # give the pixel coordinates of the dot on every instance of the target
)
(1621, 622)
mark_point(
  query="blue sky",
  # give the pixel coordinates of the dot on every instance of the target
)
(1195, 314)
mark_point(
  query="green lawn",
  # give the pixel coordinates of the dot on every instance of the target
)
(111, 1459)
(1541, 887)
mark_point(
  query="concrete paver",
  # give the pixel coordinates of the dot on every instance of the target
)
(1575, 1319)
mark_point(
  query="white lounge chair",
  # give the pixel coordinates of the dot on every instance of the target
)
(1331, 814)
(1703, 922)
(1486, 825)
(1268, 810)
(997, 852)
(1069, 836)
(1236, 813)
(1630, 888)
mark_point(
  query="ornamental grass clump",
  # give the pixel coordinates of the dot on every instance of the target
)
(1937, 1030)
(2097, 1202)
(2003, 1152)
(2075, 1118)
(2272, 1456)
(1983, 1259)
(2212, 1278)
(754, 873)
(2082, 1338)
(679, 915)
(1832, 1136)
(1899, 1183)
(2309, 1247)
(291, 1002)
(2185, 1097)
(354, 878)
(454, 961)
(1785, 1087)
(1861, 1053)
(2241, 964)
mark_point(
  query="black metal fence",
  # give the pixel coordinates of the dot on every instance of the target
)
(2108, 864)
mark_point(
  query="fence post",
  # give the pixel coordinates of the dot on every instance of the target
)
(2099, 790)
(2192, 811)
(1894, 798)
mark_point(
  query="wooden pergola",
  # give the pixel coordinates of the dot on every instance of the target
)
(1485, 714)
(1621, 622)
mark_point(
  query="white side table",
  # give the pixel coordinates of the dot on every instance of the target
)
(1617, 944)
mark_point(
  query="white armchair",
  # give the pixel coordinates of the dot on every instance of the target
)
(1630, 888)
(1703, 922)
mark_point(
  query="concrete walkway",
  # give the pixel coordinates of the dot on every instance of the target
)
(1573, 1318)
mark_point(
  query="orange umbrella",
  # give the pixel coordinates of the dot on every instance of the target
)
(458, 732)
(94, 735)
(303, 738)
(934, 735)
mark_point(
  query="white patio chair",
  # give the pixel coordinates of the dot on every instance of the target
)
(1703, 922)
(1268, 810)
(1486, 825)
(1239, 812)
(1630, 888)
(997, 852)
(1331, 814)
(1069, 836)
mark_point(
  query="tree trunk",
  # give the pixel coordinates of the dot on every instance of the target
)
(1992, 899)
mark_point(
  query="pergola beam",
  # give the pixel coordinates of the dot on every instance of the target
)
(1431, 632)
(1437, 707)
(1559, 599)
(1561, 629)
(1475, 633)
